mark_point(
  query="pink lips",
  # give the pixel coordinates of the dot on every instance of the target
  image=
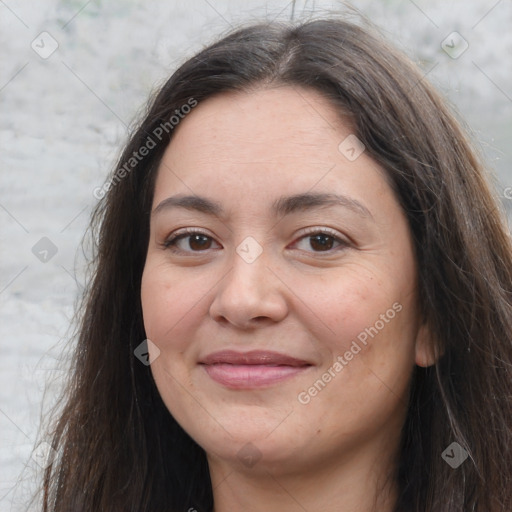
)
(254, 369)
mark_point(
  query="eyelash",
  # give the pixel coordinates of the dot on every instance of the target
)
(170, 243)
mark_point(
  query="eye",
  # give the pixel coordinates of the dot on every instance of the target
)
(190, 241)
(320, 240)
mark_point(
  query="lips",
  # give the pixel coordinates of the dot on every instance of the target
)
(246, 370)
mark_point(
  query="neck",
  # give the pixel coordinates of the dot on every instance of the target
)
(357, 484)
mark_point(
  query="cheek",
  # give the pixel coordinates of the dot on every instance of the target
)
(368, 326)
(170, 302)
(341, 305)
(366, 317)
(171, 307)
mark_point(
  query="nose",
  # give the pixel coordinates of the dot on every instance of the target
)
(250, 295)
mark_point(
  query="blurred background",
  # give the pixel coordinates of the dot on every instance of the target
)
(74, 74)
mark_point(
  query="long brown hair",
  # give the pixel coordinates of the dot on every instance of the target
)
(118, 447)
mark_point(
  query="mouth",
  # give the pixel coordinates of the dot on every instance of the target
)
(249, 370)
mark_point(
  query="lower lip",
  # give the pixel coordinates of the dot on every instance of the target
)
(251, 376)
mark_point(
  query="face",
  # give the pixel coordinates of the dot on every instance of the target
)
(280, 286)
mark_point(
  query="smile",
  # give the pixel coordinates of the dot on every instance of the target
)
(250, 370)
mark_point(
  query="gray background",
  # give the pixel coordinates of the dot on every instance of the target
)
(65, 117)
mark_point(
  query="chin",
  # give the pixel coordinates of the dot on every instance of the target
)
(260, 455)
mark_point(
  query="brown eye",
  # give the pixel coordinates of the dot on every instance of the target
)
(321, 242)
(318, 241)
(199, 242)
(190, 242)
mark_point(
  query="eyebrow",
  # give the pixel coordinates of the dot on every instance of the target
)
(285, 205)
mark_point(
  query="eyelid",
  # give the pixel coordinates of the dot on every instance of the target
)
(183, 233)
(343, 240)
(188, 230)
(320, 229)
(178, 234)
(323, 230)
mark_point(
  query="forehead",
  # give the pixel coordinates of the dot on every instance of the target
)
(282, 136)
(285, 120)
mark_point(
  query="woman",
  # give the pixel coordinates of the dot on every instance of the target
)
(301, 298)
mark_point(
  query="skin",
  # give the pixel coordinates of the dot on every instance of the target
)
(336, 452)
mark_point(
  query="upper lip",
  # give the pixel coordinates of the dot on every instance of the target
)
(254, 357)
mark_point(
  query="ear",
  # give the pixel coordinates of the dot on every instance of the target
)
(425, 355)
